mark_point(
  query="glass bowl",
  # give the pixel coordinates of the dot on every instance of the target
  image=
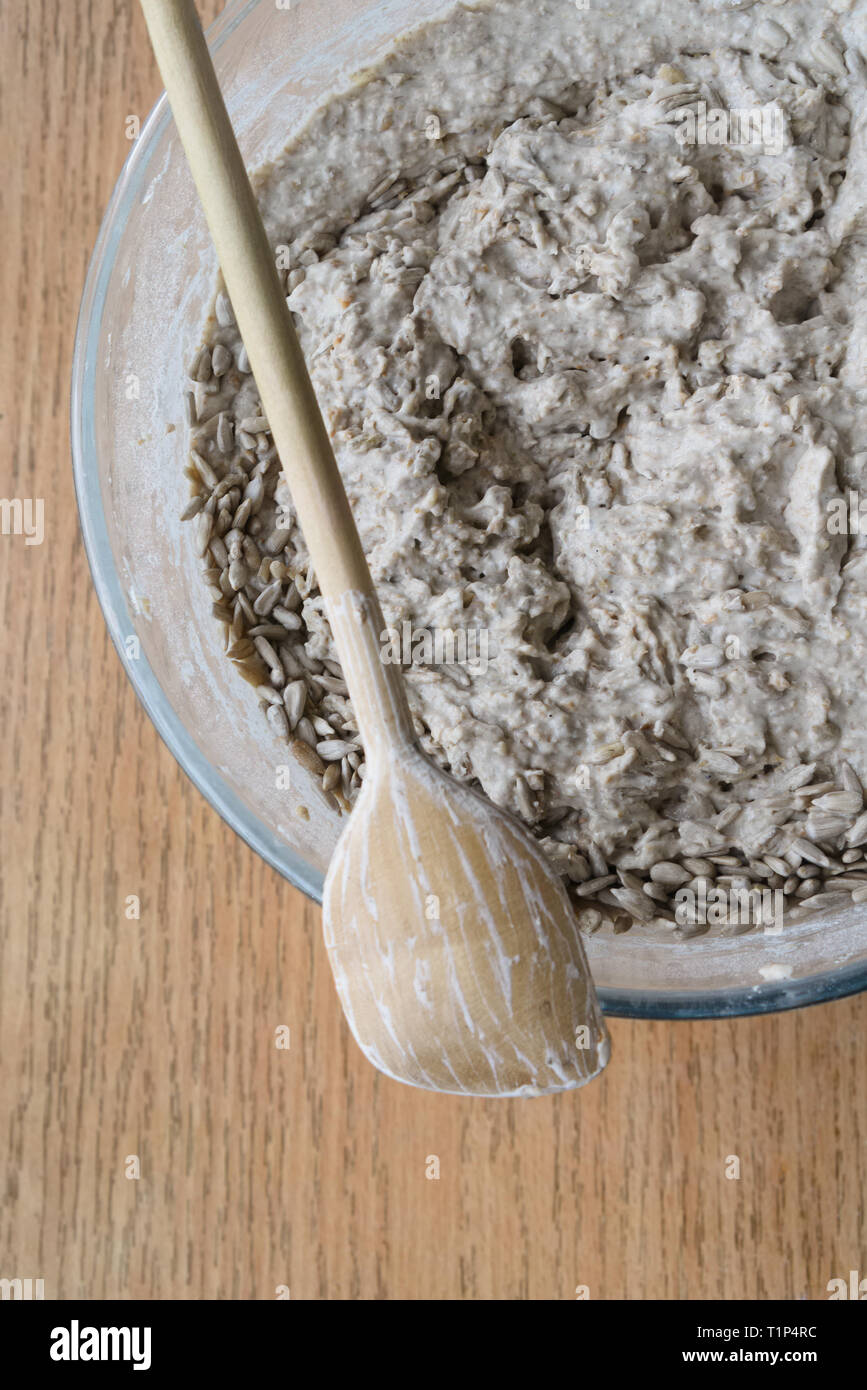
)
(148, 289)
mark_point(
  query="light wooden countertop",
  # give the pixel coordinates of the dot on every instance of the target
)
(155, 1038)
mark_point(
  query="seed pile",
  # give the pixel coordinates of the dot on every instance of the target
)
(255, 581)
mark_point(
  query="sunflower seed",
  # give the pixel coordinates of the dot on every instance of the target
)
(332, 749)
(225, 433)
(276, 541)
(706, 658)
(674, 738)
(305, 730)
(604, 896)
(241, 650)
(843, 803)
(197, 362)
(858, 833)
(331, 777)
(727, 817)
(779, 866)
(634, 902)
(821, 825)
(204, 527)
(267, 653)
(850, 780)
(670, 874)
(291, 621)
(223, 310)
(827, 58)
(818, 789)
(711, 758)
(699, 867)
(631, 881)
(579, 869)
(269, 695)
(237, 575)
(290, 663)
(295, 698)
(267, 599)
(824, 901)
(811, 852)
(594, 885)
(221, 360)
(278, 721)
(307, 756)
(204, 469)
(330, 683)
(797, 777)
(597, 859)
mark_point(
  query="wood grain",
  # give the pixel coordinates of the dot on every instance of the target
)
(262, 1167)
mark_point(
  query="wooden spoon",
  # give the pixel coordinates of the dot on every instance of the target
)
(455, 950)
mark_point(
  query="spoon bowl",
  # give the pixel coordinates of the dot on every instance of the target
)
(455, 951)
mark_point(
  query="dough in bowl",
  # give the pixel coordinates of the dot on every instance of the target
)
(582, 296)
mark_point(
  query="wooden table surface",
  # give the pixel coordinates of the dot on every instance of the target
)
(149, 1044)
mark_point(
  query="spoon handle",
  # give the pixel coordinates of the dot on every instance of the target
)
(283, 382)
